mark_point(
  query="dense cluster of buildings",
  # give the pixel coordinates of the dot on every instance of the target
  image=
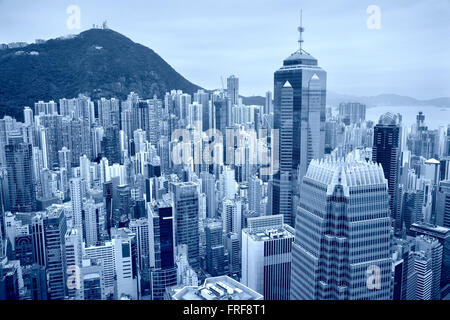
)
(117, 199)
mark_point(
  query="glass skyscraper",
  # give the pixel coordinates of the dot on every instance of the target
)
(343, 233)
(299, 115)
(19, 166)
(386, 151)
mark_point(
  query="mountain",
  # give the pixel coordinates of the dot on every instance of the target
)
(97, 62)
(254, 100)
(333, 99)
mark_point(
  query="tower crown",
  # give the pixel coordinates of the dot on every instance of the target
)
(300, 57)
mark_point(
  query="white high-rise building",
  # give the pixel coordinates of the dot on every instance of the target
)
(74, 258)
(232, 216)
(423, 267)
(140, 228)
(126, 283)
(254, 195)
(228, 183)
(104, 254)
(75, 196)
(267, 257)
(92, 214)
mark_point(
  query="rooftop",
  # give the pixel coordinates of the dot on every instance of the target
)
(346, 172)
(218, 288)
(269, 233)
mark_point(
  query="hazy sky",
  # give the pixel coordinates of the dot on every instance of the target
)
(204, 39)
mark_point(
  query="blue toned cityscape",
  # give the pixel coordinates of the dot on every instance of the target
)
(120, 179)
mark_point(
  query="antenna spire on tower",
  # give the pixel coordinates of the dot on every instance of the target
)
(300, 30)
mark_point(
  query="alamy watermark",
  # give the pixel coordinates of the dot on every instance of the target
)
(234, 147)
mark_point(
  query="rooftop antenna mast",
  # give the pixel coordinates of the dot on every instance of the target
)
(300, 30)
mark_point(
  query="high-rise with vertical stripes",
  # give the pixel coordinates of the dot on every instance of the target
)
(299, 115)
(342, 248)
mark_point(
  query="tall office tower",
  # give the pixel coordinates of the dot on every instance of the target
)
(267, 257)
(2, 240)
(343, 233)
(228, 186)
(111, 145)
(3, 205)
(92, 214)
(19, 165)
(139, 139)
(194, 116)
(232, 216)
(124, 258)
(412, 204)
(268, 107)
(153, 130)
(219, 101)
(209, 189)
(445, 168)
(386, 151)
(299, 115)
(140, 228)
(447, 143)
(55, 232)
(443, 204)
(140, 115)
(202, 98)
(423, 269)
(233, 246)
(74, 257)
(403, 269)
(108, 190)
(76, 198)
(162, 249)
(255, 195)
(121, 205)
(233, 89)
(105, 255)
(434, 250)
(443, 235)
(38, 239)
(352, 112)
(50, 141)
(186, 213)
(215, 249)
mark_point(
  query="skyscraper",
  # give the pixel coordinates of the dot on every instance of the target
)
(162, 249)
(233, 89)
(19, 164)
(386, 151)
(267, 257)
(55, 232)
(433, 249)
(215, 249)
(299, 115)
(186, 205)
(343, 233)
(443, 204)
